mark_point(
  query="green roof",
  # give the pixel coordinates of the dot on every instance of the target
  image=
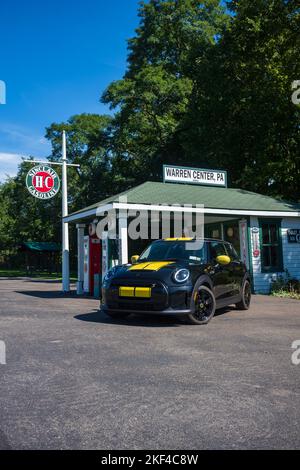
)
(210, 197)
(41, 246)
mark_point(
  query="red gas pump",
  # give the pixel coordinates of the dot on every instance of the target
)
(95, 262)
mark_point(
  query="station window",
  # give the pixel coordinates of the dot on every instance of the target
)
(271, 247)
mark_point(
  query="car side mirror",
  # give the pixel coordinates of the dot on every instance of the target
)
(223, 260)
(134, 259)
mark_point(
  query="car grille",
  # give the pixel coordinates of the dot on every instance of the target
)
(158, 300)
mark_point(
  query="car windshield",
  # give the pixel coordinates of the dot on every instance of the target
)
(163, 250)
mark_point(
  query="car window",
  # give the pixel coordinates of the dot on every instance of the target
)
(167, 250)
(217, 249)
(232, 253)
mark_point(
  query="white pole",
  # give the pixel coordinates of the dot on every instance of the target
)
(123, 237)
(80, 258)
(65, 226)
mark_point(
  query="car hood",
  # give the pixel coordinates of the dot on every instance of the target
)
(153, 265)
(160, 270)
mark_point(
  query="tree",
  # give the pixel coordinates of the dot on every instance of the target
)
(242, 117)
(88, 140)
(211, 89)
(153, 97)
(25, 218)
(204, 87)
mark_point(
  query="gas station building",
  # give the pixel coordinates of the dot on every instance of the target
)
(264, 231)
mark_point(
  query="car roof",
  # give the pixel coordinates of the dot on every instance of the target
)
(188, 239)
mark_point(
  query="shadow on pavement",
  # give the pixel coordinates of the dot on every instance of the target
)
(43, 281)
(4, 444)
(30, 279)
(224, 310)
(50, 294)
(132, 320)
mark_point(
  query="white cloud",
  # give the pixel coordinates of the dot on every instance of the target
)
(17, 139)
(22, 137)
(17, 142)
(9, 164)
(10, 158)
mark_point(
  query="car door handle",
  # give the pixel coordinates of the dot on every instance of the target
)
(218, 267)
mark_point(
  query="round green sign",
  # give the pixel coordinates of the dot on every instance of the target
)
(42, 182)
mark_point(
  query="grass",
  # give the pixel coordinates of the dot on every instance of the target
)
(37, 275)
(286, 294)
(286, 287)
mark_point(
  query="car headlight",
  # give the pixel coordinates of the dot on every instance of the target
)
(181, 275)
(110, 274)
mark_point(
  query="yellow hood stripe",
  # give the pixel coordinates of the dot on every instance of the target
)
(181, 239)
(138, 266)
(152, 266)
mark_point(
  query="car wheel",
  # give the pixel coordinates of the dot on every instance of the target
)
(116, 315)
(204, 306)
(244, 304)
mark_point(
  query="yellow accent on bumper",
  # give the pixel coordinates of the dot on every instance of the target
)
(141, 292)
(126, 291)
(144, 292)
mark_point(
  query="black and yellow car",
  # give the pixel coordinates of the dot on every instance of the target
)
(179, 277)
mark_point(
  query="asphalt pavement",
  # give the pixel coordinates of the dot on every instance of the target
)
(75, 379)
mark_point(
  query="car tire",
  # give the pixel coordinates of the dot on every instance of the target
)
(203, 305)
(116, 315)
(245, 301)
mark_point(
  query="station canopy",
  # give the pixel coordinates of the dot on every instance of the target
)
(40, 246)
(211, 197)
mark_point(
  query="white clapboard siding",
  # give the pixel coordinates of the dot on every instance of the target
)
(290, 253)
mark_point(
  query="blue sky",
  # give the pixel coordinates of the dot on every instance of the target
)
(56, 59)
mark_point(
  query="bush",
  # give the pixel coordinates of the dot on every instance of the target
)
(285, 286)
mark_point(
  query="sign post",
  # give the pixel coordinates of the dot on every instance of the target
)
(43, 183)
(65, 225)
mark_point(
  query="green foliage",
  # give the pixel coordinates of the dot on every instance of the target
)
(286, 286)
(244, 118)
(204, 87)
(88, 140)
(36, 274)
(25, 218)
(212, 89)
(153, 99)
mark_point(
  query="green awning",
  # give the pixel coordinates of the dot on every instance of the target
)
(210, 197)
(41, 246)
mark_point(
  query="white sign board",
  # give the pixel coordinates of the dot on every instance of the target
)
(177, 174)
(86, 264)
(244, 242)
(105, 258)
